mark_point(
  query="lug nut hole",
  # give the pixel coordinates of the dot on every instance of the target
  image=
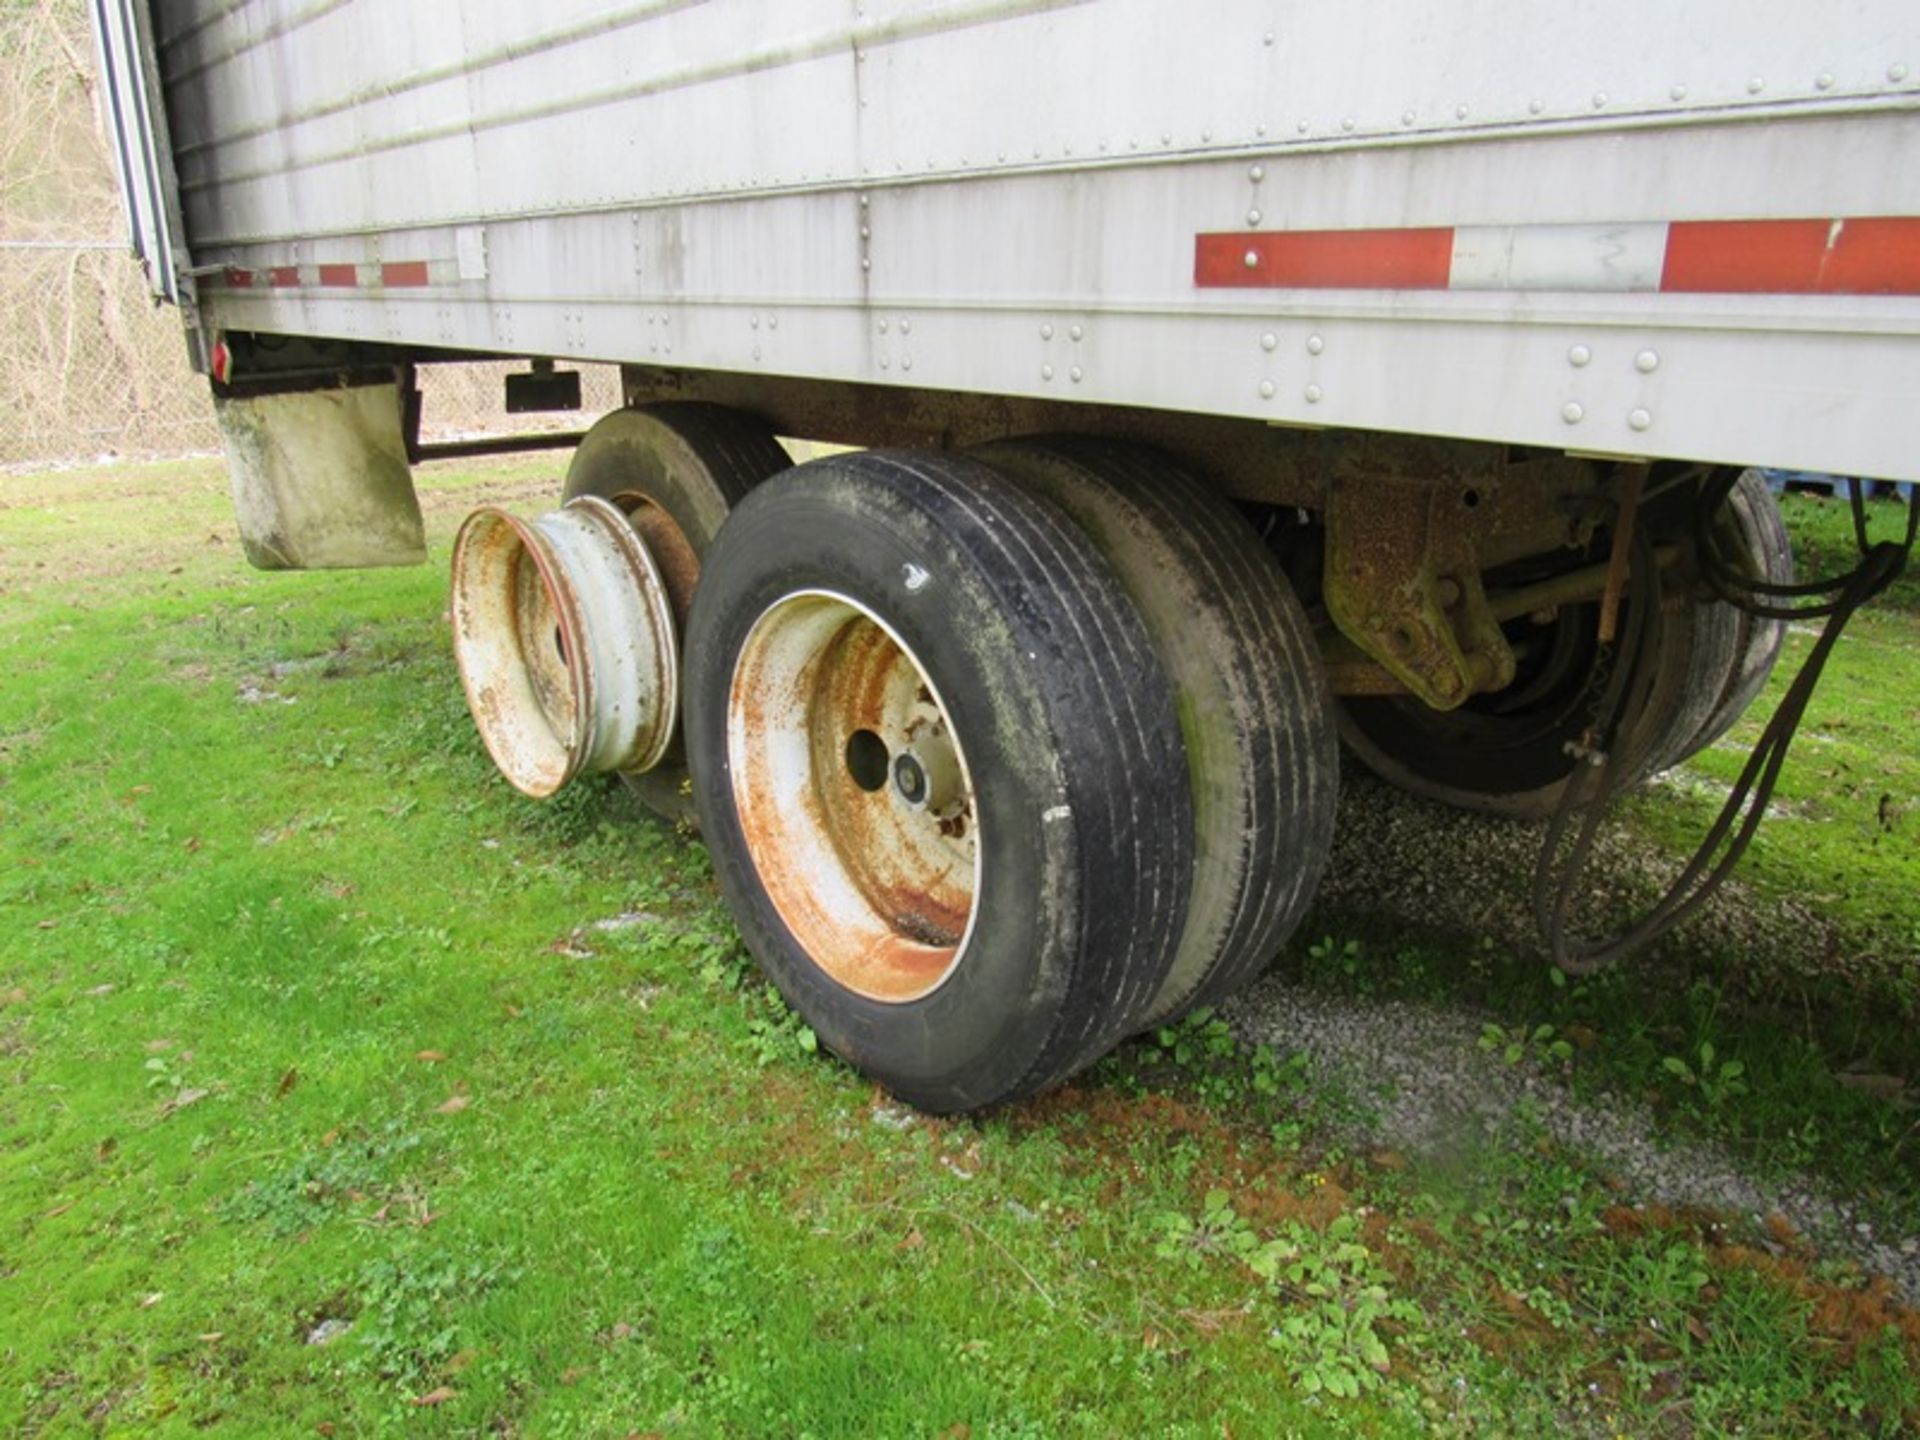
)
(867, 760)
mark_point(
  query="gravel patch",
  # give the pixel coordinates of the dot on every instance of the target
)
(1446, 870)
(1432, 1092)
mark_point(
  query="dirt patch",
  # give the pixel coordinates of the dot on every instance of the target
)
(1844, 1313)
(1522, 1328)
(1110, 1131)
(1846, 1316)
(1119, 1135)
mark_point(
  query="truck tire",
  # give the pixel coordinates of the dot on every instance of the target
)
(1754, 536)
(1262, 756)
(677, 469)
(1712, 640)
(939, 772)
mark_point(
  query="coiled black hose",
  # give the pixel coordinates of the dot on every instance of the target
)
(1623, 683)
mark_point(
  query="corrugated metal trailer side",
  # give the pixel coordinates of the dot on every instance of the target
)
(1102, 201)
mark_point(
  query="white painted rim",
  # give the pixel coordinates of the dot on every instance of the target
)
(565, 641)
(881, 893)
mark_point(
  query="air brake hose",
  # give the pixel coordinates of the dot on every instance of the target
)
(1623, 681)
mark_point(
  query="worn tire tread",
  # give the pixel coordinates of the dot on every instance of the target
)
(1261, 742)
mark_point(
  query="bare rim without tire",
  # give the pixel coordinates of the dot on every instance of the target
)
(565, 642)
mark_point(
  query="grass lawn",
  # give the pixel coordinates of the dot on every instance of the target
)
(343, 1090)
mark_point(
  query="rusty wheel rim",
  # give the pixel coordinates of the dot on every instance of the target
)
(565, 639)
(672, 551)
(853, 796)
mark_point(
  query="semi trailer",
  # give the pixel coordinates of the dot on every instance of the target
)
(1214, 391)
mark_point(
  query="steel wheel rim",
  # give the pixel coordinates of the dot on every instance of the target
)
(565, 642)
(873, 865)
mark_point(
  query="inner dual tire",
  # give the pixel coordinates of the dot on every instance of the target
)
(1510, 753)
(1751, 536)
(676, 470)
(1255, 717)
(940, 771)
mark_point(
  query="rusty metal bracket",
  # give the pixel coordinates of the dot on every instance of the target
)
(1633, 481)
(1403, 584)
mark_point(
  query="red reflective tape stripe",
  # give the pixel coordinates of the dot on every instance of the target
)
(1738, 257)
(333, 276)
(1793, 257)
(1877, 255)
(1874, 256)
(1325, 260)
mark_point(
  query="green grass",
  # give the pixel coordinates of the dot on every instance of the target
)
(1824, 543)
(307, 1033)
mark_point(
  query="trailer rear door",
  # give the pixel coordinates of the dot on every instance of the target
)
(137, 130)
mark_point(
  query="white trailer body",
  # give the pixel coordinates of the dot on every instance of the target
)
(1688, 230)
